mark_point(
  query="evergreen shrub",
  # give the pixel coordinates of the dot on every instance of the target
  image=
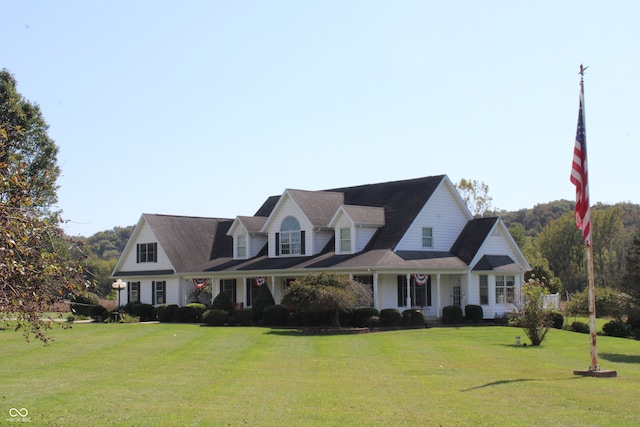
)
(413, 318)
(473, 313)
(557, 319)
(145, 312)
(200, 308)
(215, 317)
(617, 328)
(263, 299)
(275, 315)
(360, 316)
(222, 302)
(99, 313)
(83, 302)
(390, 317)
(452, 315)
(581, 327)
(244, 316)
(165, 312)
(185, 315)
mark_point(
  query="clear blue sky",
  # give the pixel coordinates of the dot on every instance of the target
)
(206, 108)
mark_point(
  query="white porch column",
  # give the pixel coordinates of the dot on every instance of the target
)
(409, 290)
(215, 288)
(438, 301)
(375, 290)
(273, 288)
(244, 292)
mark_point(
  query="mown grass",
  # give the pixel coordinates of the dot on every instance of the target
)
(179, 375)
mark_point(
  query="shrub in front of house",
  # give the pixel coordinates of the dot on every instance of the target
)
(473, 313)
(165, 312)
(275, 315)
(200, 308)
(360, 316)
(452, 315)
(215, 317)
(244, 316)
(390, 317)
(413, 318)
(83, 302)
(99, 313)
(145, 312)
(222, 302)
(263, 299)
(557, 319)
(185, 315)
(617, 328)
(314, 318)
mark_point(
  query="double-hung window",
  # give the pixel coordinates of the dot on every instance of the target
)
(345, 240)
(241, 247)
(427, 237)
(147, 252)
(505, 289)
(134, 292)
(159, 289)
(290, 237)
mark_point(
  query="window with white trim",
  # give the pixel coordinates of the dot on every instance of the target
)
(505, 289)
(241, 246)
(345, 240)
(290, 237)
(147, 252)
(134, 292)
(427, 237)
(159, 290)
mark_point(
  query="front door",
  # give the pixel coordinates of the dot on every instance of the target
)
(456, 292)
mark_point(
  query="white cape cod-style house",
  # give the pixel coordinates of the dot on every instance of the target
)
(413, 241)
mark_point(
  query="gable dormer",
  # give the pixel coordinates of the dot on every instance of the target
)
(247, 235)
(439, 222)
(298, 224)
(354, 226)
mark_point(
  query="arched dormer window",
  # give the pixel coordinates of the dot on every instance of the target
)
(290, 240)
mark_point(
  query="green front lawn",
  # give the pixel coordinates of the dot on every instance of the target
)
(176, 375)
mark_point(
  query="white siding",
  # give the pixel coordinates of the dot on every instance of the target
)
(444, 215)
(255, 243)
(363, 235)
(321, 239)
(145, 236)
(289, 207)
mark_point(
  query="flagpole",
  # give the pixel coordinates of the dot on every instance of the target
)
(594, 368)
(591, 282)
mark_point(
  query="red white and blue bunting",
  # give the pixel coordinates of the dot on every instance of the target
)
(421, 279)
(260, 280)
(200, 283)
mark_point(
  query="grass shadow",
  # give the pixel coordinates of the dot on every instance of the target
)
(620, 358)
(520, 380)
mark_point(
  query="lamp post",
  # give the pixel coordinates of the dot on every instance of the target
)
(118, 285)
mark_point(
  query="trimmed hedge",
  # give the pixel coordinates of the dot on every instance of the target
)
(215, 317)
(360, 316)
(186, 315)
(390, 317)
(145, 312)
(557, 319)
(473, 313)
(617, 328)
(413, 318)
(99, 313)
(166, 312)
(244, 316)
(222, 302)
(275, 315)
(83, 302)
(581, 327)
(452, 315)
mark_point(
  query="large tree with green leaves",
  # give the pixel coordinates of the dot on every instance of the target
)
(36, 268)
(475, 194)
(630, 281)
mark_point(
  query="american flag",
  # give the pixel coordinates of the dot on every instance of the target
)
(579, 177)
